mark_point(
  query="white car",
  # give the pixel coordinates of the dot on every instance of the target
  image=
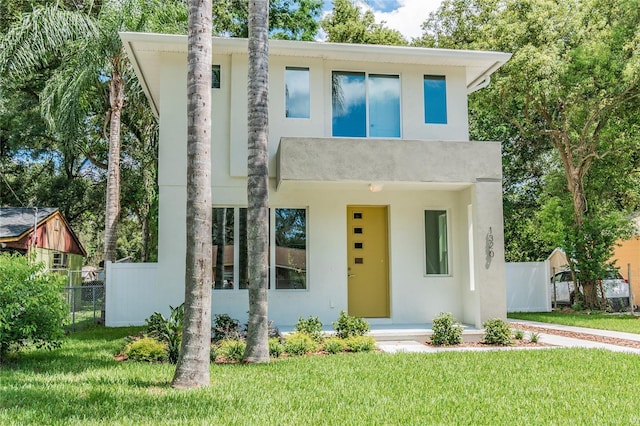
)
(616, 289)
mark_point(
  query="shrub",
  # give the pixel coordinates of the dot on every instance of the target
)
(334, 345)
(312, 326)
(275, 347)
(231, 350)
(361, 343)
(534, 337)
(146, 349)
(297, 343)
(32, 309)
(497, 332)
(167, 330)
(226, 328)
(446, 330)
(518, 334)
(347, 326)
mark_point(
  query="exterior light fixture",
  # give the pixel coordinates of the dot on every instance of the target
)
(375, 187)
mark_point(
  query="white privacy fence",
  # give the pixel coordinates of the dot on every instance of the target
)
(527, 287)
(131, 293)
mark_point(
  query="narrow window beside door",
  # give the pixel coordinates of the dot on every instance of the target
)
(436, 242)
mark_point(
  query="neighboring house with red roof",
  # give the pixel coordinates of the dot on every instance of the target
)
(54, 242)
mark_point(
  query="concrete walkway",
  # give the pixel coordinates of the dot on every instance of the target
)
(415, 346)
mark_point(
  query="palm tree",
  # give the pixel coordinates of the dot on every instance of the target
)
(192, 369)
(258, 183)
(85, 51)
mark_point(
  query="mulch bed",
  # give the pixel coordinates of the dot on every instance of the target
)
(583, 336)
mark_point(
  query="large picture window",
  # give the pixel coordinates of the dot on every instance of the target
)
(297, 92)
(435, 99)
(436, 242)
(230, 255)
(365, 105)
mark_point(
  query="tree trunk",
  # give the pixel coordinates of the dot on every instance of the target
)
(258, 183)
(116, 100)
(192, 369)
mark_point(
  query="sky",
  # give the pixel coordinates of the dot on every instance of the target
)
(405, 16)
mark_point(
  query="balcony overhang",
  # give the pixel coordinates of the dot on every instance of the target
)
(387, 160)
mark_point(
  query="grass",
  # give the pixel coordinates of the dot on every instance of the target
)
(81, 383)
(603, 321)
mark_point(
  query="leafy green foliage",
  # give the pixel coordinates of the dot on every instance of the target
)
(226, 328)
(361, 343)
(347, 326)
(518, 334)
(497, 332)
(446, 330)
(230, 350)
(168, 330)
(32, 309)
(147, 349)
(334, 345)
(297, 344)
(276, 348)
(312, 326)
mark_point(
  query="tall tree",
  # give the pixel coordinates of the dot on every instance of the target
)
(348, 24)
(258, 182)
(192, 369)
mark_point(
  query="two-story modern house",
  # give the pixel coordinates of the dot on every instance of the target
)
(380, 204)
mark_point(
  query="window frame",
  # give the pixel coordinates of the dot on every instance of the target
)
(286, 97)
(367, 102)
(426, 99)
(216, 76)
(449, 239)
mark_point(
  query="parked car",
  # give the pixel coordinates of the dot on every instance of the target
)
(616, 289)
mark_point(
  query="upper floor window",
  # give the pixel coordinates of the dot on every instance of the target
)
(297, 89)
(215, 76)
(435, 99)
(436, 242)
(365, 104)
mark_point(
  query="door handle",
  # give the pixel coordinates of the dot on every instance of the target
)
(350, 275)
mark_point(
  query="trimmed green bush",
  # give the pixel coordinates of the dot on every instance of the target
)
(146, 349)
(446, 330)
(347, 326)
(297, 344)
(518, 334)
(226, 328)
(32, 309)
(276, 348)
(231, 350)
(361, 343)
(334, 345)
(167, 330)
(312, 326)
(497, 332)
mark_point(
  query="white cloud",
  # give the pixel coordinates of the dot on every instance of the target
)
(408, 17)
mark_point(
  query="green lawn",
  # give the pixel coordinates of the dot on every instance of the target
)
(615, 322)
(81, 383)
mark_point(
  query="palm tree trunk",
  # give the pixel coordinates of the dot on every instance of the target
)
(116, 100)
(258, 183)
(192, 369)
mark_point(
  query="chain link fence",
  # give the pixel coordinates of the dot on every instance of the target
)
(85, 298)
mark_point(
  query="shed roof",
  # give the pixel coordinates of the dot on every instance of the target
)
(16, 221)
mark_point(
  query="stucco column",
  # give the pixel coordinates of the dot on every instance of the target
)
(488, 250)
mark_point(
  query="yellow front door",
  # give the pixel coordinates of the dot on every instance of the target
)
(368, 263)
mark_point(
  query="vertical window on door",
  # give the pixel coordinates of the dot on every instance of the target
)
(297, 92)
(435, 99)
(436, 242)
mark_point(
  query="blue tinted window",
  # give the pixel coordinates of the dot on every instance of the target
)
(349, 104)
(384, 106)
(435, 99)
(297, 92)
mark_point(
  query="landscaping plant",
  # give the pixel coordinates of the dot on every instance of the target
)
(312, 326)
(32, 309)
(146, 349)
(225, 328)
(347, 326)
(446, 330)
(334, 345)
(298, 343)
(361, 343)
(497, 332)
(167, 330)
